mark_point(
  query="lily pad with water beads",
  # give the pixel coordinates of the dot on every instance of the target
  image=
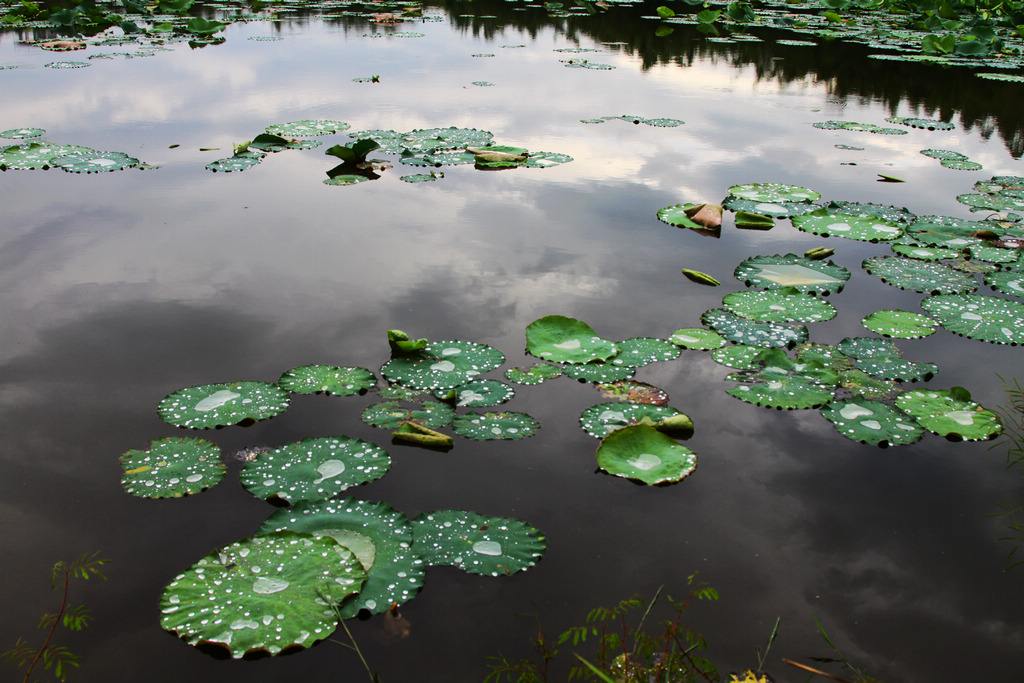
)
(808, 276)
(950, 413)
(677, 216)
(378, 535)
(826, 354)
(976, 316)
(640, 351)
(925, 253)
(307, 128)
(899, 324)
(872, 422)
(642, 453)
(1007, 281)
(773, 192)
(491, 426)
(96, 162)
(436, 159)
(742, 331)
(171, 468)
(697, 338)
(869, 229)
(442, 365)
(218, 405)
(482, 393)
(1009, 200)
(894, 214)
(545, 159)
(598, 371)
(602, 419)
(266, 142)
(927, 124)
(783, 392)
(881, 358)
(439, 139)
(234, 163)
(315, 468)
(919, 276)
(36, 155)
(944, 154)
(492, 546)
(390, 415)
(534, 374)
(738, 356)
(633, 391)
(21, 133)
(560, 339)
(784, 305)
(962, 165)
(267, 593)
(327, 379)
(947, 232)
(860, 384)
(773, 209)
(993, 255)
(1000, 183)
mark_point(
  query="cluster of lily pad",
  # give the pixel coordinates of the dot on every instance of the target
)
(272, 140)
(36, 153)
(952, 159)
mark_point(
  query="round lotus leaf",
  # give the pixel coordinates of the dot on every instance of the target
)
(435, 139)
(483, 392)
(976, 316)
(642, 453)
(490, 426)
(393, 392)
(390, 415)
(808, 276)
(546, 159)
(788, 392)
(560, 339)
(442, 365)
(640, 351)
(946, 231)
(697, 338)
(919, 276)
(307, 128)
(779, 306)
(1000, 183)
(218, 405)
(899, 324)
(826, 354)
(602, 419)
(924, 253)
(420, 177)
(535, 374)
(21, 133)
(262, 594)
(598, 372)
(773, 209)
(962, 164)
(436, 159)
(943, 154)
(494, 546)
(676, 215)
(950, 414)
(390, 141)
(742, 331)
(928, 124)
(872, 422)
(315, 468)
(327, 379)
(97, 162)
(346, 179)
(879, 357)
(633, 391)
(972, 267)
(847, 225)
(893, 214)
(1007, 281)
(380, 537)
(860, 383)
(992, 255)
(774, 192)
(171, 468)
(38, 155)
(231, 164)
(739, 356)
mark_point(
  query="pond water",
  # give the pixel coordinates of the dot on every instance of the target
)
(119, 288)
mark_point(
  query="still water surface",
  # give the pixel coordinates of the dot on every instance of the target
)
(118, 288)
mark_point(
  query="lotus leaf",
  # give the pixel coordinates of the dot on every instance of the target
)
(786, 305)
(950, 413)
(437, 139)
(37, 155)
(642, 453)
(899, 324)
(971, 267)
(898, 215)
(389, 415)
(860, 383)
(739, 356)
(919, 276)
(1000, 183)
(483, 392)
(991, 202)
(307, 128)
(420, 177)
(787, 392)
(328, 379)
(808, 276)
(265, 593)
(380, 537)
(436, 159)
(598, 371)
(442, 365)
(773, 209)
(826, 354)
(676, 215)
(394, 392)
(993, 254)
(535, 374)
(928, 124)
(67, 65)
(265, 142)
(546, 159)
(924, 253)
(490, 426)
(881, 358)
(566, 340)
(697, 338)
(1008, 281)
(946, 231)
(97, 162)
(315, 468)
(976, 316)
(962, 165)
(230, 164)
(640, 351)
(218, 405)
(494, 546)
(633, 391)
(872, 422)
(171, 468)
(21, 133)
(602, 419)
(943, 154)
(869, 229)
(742, 331)
(773, 192)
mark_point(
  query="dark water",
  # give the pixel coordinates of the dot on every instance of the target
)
(116, 289)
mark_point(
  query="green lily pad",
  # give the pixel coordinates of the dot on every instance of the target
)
(307, 128)
(390, 415)
(779, 306)
(535, 374)
(962, 164)
(314, 468)
(490, 426)
(676, 215)
(860, 383)
(894, 214)
(788, 392)
(993, 255)
(442, 365)
(97, 162)
(602, 419)
(739, 356)
(950, 413)
(492, 546)
(642, 453)
(171, 468)
(21, 133)
(482, 393)
(598, 371)
(773, 192)
(881, 358)
(1007, 281)
(869, 229)
(826, 354)
(218, 405)
(381, 539)
(327, 379)
(919, 276)
(262, 594)
(946, 231)
(899, 324)
(545, 159)
(560, 339)
(944, 154)
(924, 253)
(773, 209)
(640, 351)
(437, 159)
(697, 338)
(872, 422)
(808, 276)
(38, 155)
(232, 164)
(927, 124)
(742, 331)
(976, 316)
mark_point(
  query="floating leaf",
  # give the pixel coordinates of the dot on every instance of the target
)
(328, 379)
(642, 453)
(232, 164)
(774, 209)
(946, 231)
(634, 391)
(602, 419)
(218, 405)
(900, 324)
(860, 383)
(21, 133)
(1008, 281)
(96, 162)
(779, 306)
(598, 372)
(787, 392)
(809, 276)
(976, 316)
(739, 356)
(697, 338)
(490, 426)
(869, 229)
(171, 468)
(640, 351)
(919, 276)
(677, 215)
(881, 358)
(442, 365)
(924, 253)
(494, 546)
(535, 374)
(566, 340)
(390, 415)
(314, 468)
(893, 214)
(742, 331)
(483, 392)
(773, 192)
(950, 413)
(307, 128)
(872, 422)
